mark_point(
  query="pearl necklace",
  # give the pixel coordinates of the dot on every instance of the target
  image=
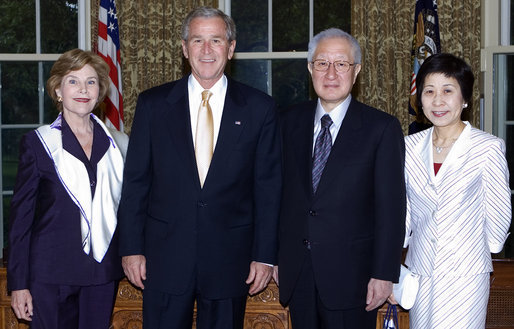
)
(439, 149)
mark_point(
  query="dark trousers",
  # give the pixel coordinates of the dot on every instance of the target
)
(309, 312)
(72, 307)
(166, 311)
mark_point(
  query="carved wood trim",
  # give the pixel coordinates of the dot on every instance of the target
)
(264, 311)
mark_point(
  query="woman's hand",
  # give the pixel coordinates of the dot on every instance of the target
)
(391, 300)
(21, 302)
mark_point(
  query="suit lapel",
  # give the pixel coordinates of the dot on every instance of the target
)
(346, 139)
(457, 156)
(233, 121)
(178, 116)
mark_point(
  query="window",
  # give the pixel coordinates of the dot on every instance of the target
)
(34, 34)
(497, 60)
(272, 39)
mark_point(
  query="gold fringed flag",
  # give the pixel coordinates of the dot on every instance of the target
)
(425, 42)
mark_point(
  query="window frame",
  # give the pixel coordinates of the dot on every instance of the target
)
(84, 42)
(225, 6)
(496, 40)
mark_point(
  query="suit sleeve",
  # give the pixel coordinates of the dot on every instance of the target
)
(136, 185)
(390, 203)
(23, 207)
(267, 190)
(497, 197)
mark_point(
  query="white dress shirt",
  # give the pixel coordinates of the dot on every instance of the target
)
(217, 101)
(337, 115)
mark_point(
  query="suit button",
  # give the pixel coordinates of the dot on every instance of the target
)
(201, 204)
(307, 243)
(313, 213)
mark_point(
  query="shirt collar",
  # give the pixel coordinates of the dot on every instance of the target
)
(337, 114)
(196, 89)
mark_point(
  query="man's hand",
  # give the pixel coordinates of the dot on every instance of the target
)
(134, 267)
(378, 292)
(259, 276)
(21, 302)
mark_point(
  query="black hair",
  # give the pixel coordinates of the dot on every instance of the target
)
(452, 67)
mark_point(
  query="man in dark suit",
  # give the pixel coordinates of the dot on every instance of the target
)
(343, 202)
(197, 224)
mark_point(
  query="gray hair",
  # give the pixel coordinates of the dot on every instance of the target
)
(335, 33)
(209, 12)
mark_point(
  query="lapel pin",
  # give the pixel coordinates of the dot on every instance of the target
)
(238, 123)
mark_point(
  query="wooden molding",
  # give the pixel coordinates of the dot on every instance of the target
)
(264, 311)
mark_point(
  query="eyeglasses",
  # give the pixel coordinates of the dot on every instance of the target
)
(322, 65)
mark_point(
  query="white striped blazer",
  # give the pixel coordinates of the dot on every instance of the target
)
(457, 218)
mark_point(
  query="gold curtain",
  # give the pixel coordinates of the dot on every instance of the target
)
(150, 44)
(384, 30)
(152, 54)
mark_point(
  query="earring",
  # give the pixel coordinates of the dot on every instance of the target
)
(465, 105)
(59, 99)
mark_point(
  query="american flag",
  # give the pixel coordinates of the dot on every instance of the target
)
(109, 49)
(425, 43)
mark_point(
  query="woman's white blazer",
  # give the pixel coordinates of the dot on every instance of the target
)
(457, 218)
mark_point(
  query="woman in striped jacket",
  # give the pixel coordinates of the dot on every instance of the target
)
(458, 201)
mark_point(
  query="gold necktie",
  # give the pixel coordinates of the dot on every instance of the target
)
(204, 137)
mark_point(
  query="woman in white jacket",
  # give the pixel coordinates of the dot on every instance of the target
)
(459, 201)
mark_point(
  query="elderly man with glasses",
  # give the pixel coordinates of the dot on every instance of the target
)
(343, 199)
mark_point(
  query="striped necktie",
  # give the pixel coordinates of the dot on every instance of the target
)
(321, 150)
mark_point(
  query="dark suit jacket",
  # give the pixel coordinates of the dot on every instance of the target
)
(186, 232)
(356, 220)
(44, 238)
